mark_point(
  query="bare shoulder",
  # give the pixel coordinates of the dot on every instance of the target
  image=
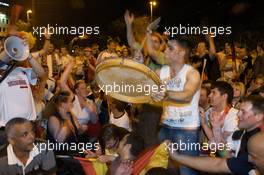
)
(193, 74)
(53, 123)
(53, 119)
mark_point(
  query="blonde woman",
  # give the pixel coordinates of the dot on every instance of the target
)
(239, 93)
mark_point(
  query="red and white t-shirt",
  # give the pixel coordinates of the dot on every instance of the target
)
(16, 99)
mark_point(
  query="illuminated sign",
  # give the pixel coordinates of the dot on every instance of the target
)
(2, 15)
(4, 4)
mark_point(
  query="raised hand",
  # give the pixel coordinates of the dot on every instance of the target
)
(202, 115)
(154, 25)
(216, 120)
(47, 34)
(208, 36)
(129, 18)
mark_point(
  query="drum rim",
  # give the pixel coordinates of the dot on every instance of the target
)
(117, 62)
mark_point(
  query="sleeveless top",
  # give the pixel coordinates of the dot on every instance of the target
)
(122, 121)
(72, 138)
(179, 115)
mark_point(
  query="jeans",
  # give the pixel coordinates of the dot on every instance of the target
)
(182, 137)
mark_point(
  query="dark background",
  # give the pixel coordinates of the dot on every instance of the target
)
(245, 17)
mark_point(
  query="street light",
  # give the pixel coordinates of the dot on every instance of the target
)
(28, 17)
(152, 3)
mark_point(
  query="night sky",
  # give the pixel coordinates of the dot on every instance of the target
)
(242, 16)
(102, 12)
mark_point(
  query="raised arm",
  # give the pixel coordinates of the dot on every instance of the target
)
(91, 67)
(208, 131)
(212, 50)
(217, 122)
(129, 18)
(37, 68)
(46, 45)
(65, 76)
(41, 87)
(15, 12)
(157, 55)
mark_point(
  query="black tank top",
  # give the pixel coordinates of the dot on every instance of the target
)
(71, 139)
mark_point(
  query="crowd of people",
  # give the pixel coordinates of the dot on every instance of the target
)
(213, 96)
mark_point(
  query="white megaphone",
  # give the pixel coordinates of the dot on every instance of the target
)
(15, 49)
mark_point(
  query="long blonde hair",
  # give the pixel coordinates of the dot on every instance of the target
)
(242, 88)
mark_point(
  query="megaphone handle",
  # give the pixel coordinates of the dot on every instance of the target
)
(7, 72)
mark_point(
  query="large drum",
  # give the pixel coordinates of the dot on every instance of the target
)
(127, 80)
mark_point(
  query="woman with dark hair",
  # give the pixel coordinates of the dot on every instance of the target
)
(63, 126)
(109, 139)
(84, 109)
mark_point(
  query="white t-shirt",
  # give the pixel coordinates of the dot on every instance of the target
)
(179, 115)
(82, 114)
(230, 125)
(122, 121)
(16, 99)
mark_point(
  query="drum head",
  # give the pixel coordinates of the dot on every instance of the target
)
(127, 80)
